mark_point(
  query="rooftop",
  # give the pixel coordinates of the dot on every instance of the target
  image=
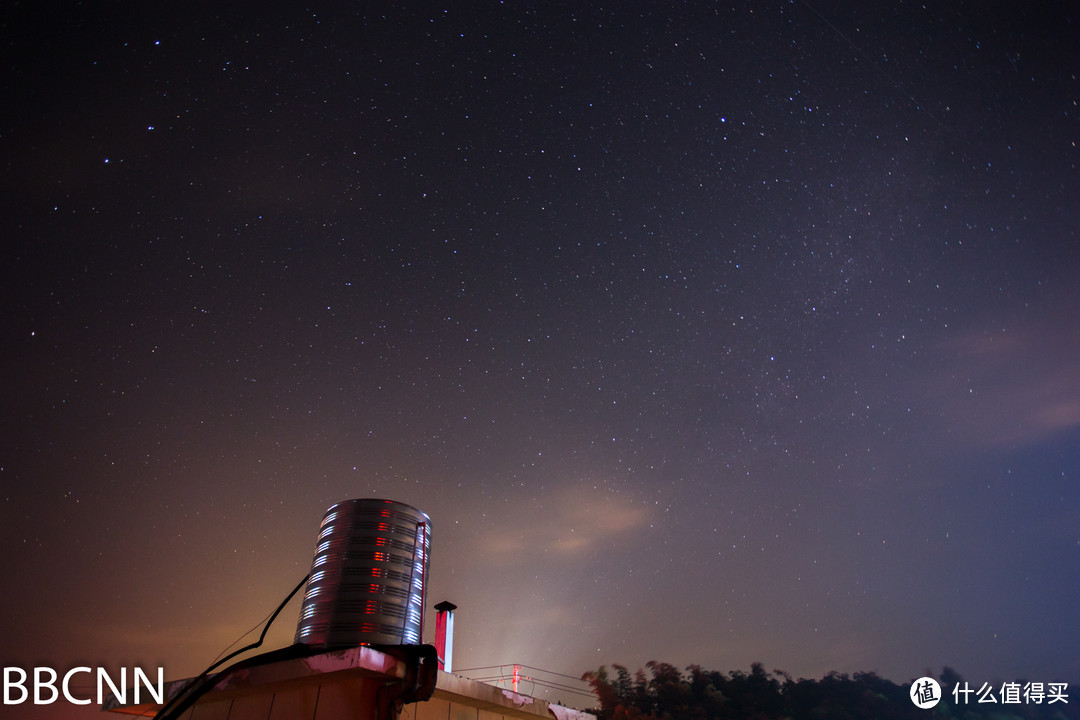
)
(351, 683)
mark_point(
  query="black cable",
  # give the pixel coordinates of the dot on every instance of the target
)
(200, 685)
(181, 703)
(552, 672)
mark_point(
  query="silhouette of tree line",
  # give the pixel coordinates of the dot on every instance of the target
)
(699, 694)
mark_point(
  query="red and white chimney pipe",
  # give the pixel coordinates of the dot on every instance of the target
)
(444, 634)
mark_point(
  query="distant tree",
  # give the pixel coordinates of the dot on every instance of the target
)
(606, 693)
(700, 694)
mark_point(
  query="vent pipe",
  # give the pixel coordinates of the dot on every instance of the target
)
(368, 576)
(444, 634)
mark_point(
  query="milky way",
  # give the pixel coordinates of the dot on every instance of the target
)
(704, 334)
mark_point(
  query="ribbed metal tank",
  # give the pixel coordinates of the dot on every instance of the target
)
(367, 577)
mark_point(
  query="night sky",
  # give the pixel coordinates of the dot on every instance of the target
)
(705, 333)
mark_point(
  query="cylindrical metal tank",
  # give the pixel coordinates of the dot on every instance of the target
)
(367, 577)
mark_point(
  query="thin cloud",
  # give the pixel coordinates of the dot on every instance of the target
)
(1010, 387)
(570, 522)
